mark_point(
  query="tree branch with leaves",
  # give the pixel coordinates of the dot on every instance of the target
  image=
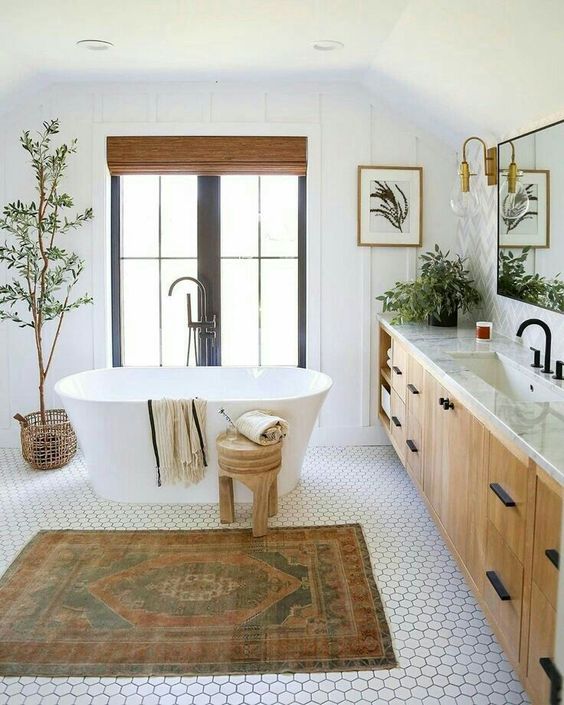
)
(44, 273)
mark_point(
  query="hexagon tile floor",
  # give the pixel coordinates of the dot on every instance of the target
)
(447, 653)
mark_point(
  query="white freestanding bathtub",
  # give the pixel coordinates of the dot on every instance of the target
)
(108, 409)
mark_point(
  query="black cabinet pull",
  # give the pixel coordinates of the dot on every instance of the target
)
(396, 370)
(553, 556)
(502, 495)
(413, 389)
(498, 586)
(396, 421)
(411, 445)
(446, 403)
(555, 678)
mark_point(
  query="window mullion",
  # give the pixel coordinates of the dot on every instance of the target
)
(259, 264)
(209, 248)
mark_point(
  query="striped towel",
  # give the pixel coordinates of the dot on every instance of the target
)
(178, 434)
(262, 428)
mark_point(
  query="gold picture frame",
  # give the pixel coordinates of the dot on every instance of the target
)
(390, 206)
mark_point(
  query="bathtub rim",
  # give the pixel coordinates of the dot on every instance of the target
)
(324, 389)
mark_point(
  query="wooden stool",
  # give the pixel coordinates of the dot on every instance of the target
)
(255, 466)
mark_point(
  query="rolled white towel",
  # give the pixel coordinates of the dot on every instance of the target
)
(262, 428)
(389, 353)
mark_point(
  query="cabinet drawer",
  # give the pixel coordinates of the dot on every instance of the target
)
(399, 369)
(541, 644)
(507, 496)
(414, 450)
(546, 550)
(503, 589)
(398, 425)
(415, 389)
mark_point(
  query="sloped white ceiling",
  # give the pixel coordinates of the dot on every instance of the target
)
(456, 66)
(477, 65)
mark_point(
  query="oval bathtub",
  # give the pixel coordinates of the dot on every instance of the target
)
(108, 409)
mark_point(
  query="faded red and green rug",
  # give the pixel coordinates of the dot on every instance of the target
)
(111, 603)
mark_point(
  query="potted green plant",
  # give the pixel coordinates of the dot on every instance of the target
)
(40, 291)
(442, 289)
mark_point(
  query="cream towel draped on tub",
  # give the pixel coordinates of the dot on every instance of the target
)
(262, 428)
(178, 435)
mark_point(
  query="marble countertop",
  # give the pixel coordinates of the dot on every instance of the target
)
(537, 428)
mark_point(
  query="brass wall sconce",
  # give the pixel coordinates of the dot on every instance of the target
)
(513, 197)
(463, 200)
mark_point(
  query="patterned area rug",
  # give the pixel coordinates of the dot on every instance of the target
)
(84, 603)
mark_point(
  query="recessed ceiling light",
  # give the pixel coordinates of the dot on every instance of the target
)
(94, 44)
(327, 45)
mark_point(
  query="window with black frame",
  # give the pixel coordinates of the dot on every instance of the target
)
(242, 236)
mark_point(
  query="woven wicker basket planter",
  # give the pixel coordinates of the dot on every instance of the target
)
(49, 445)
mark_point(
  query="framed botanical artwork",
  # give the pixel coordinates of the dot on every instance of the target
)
(533, 228)
(390, 206)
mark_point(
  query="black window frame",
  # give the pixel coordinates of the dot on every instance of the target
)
(209, 259)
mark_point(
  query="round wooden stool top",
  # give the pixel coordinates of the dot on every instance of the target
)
(240, 455)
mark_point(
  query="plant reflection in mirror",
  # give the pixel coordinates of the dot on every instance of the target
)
(514, 281)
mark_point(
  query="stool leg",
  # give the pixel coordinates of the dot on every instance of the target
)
(260, 505)
(273, 498)
(226, 503)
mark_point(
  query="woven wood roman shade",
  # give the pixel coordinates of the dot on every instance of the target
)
(207, 155)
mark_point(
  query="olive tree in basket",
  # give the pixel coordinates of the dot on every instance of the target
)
(39, 294)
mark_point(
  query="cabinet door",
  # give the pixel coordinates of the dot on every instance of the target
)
(414, 444)
(546, 551)
(464, 514)
(457, 424)
(541, 645)
(398, 425)
(399, 369)
(503, 590)
(507, 496)
(475, 557)
(415, 390)
(434, 467)
(453, 473)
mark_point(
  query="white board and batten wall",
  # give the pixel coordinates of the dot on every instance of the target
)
(346, 126)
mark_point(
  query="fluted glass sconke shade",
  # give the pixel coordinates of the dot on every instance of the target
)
(463, 199)
(513, 197)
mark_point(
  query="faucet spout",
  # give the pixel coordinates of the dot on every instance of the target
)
(204, 330)
(548, 339)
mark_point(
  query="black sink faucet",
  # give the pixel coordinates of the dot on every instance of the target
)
(548, 344)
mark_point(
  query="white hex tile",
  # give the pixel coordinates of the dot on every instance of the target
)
(447, 653)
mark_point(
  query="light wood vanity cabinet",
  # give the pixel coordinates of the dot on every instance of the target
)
(498, 512)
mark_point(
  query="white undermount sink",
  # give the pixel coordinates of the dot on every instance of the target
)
(509, 378)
